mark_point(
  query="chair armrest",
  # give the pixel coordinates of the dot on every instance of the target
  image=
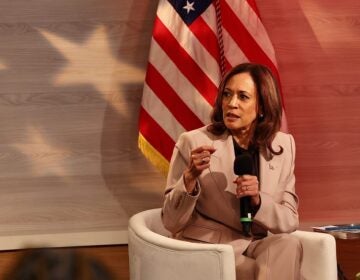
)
(319, 256)
(155, 257)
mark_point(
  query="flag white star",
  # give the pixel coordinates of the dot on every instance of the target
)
(189, 7)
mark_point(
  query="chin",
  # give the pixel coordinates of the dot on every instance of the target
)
(232, 126)
(238, 128)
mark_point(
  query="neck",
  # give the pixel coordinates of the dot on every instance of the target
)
(242, 138)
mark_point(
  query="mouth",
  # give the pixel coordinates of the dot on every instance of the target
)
(232, 116)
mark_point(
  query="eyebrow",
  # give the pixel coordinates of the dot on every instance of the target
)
(237, 91)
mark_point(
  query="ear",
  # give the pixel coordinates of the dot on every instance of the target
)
(260, 113)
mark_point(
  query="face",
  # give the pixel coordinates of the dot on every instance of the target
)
(239, 103)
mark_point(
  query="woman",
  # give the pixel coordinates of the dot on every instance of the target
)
(202, 194)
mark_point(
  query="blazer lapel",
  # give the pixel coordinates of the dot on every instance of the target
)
(222, 161)
(269, 173)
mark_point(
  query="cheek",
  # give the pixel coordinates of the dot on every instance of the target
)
(252, 113)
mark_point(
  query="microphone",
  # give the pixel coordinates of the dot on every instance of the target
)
(243, 164)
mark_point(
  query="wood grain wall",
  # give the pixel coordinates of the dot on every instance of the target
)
(71, 77)
(317, 44)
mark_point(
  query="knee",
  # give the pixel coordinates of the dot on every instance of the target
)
(291, 242)
(245, 267)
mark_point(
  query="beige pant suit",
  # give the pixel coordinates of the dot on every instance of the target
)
(212, 215)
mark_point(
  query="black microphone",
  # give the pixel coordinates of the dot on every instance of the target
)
(243, 164)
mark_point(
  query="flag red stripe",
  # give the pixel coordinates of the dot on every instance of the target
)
(155, 135)
(247, 43)
(208, 39)
(184, 61)
(206, 36)
(172, 101)
(244, 39)
(252, 4)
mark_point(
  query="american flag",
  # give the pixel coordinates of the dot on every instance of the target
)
(194, 42)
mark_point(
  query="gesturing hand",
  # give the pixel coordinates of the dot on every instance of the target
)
(199, 160)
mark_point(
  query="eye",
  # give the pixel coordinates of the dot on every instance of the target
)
(243, 96)
(227, 94)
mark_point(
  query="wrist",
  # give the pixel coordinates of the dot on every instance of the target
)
(189, 181)
(255, 201)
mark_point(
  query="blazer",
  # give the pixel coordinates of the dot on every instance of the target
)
(212, 215)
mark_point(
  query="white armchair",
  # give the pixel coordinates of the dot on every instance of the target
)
(155, 256)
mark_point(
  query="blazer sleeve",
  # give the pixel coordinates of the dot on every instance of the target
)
(278, 210)
(178, 204)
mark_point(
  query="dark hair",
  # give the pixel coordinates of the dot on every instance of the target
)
(51, 264)
(269, 104)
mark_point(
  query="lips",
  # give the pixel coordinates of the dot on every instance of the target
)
(232, 115)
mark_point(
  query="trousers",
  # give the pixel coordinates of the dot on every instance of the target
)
(275, 257)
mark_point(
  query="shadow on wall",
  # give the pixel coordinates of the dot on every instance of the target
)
(71, 77)
(134, 181)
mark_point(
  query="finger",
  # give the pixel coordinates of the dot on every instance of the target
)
(197, 166)
(249, 181)
(205, 160)
(249, 177)
(247, 187)
(238, 180)
(241, 193)
(210, 149)
(201, 149)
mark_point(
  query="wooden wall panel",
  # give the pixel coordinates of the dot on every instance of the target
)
(317, 45)
(71, 78)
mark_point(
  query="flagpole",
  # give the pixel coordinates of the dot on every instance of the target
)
(220, 37)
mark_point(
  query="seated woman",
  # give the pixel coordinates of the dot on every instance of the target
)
(203, 194)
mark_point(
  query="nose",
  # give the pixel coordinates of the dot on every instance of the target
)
(233, 101)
